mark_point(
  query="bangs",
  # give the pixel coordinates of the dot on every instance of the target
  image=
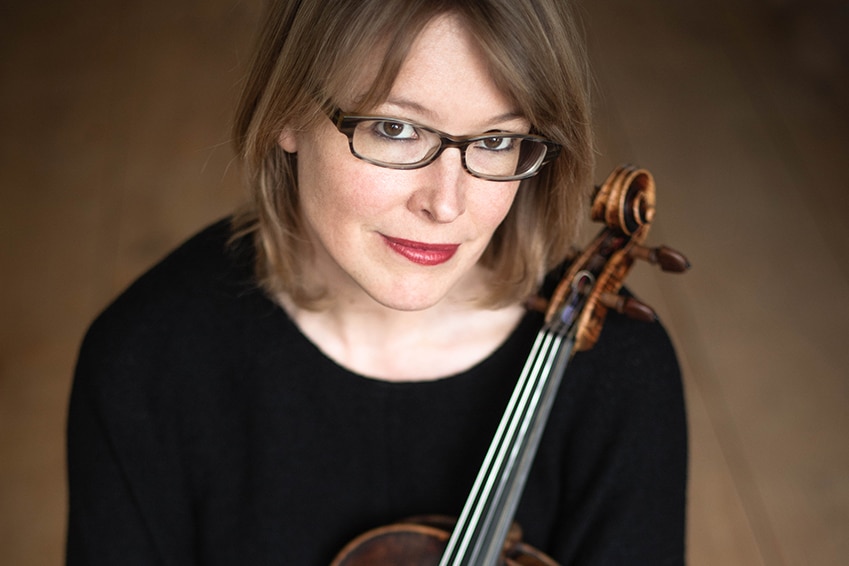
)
(375, 44)
(371, 56)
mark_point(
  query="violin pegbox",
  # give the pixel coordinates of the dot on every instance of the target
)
(625, 204)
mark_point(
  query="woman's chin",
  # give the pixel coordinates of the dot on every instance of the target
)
(407, 302)
(422, 297)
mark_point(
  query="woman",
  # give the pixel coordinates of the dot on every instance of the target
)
(337, 356)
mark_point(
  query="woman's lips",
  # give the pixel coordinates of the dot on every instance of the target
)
(420, 252)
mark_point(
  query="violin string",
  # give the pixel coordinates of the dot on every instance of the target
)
(508, 459)
(505, 507)
(488, 536)
(469, 517)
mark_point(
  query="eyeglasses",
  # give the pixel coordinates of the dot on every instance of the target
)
(399, 144)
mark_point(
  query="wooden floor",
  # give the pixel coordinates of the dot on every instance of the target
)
(114, 129)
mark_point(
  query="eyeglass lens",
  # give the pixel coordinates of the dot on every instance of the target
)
(391, 142)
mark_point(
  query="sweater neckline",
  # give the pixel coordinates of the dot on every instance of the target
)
(518, 340)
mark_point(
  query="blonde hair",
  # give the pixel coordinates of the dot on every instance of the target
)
(310, 54)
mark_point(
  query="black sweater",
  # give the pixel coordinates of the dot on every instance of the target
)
(204, 428)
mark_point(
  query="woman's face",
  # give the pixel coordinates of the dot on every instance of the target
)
(408, 239)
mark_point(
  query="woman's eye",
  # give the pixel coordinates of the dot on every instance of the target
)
(395, 130)
(497, 143)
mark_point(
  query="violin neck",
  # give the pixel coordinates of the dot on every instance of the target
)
(479, 535)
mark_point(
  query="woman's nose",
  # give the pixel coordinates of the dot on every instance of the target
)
(441, 190)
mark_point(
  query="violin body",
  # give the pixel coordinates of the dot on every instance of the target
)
(421, 541)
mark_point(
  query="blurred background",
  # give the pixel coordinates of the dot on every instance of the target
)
(114, 147)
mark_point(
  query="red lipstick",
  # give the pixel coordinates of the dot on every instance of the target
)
(420, 252)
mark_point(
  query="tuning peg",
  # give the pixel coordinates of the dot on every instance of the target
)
(629, 306)
(667, 258)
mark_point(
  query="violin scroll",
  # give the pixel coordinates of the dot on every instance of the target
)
(625, 204)
(625, 201)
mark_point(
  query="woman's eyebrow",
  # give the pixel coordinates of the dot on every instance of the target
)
(412, 106)
(428, 114)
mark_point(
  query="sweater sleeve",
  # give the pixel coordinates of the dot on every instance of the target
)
(128, 502)
(625, 461)
(136, 385)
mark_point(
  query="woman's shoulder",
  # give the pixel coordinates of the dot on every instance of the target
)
(629, 383)
(624, 344)
(628, 343)
(192, 298)
(208, 265)
(210, 261)
(631, 370)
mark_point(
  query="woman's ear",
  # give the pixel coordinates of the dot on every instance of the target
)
(288, 140)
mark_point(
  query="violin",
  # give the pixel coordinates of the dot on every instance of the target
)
(485, 534)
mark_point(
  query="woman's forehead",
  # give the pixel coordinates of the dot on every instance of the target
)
(444, 72)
